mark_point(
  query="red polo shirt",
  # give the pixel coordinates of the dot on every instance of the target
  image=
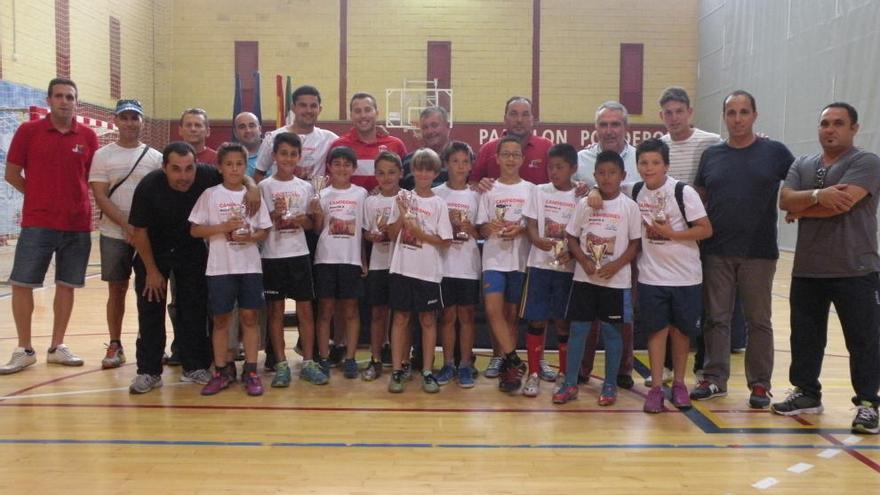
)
(365, 174)
(56, 165)
(207, 156)
(534, 167)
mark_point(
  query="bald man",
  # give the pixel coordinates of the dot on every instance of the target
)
(246, 129)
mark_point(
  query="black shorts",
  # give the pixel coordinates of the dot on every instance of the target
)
(338, 281)
(288, 278)
(414, 295)
(378, 287)
(460, 292)
(588, 302)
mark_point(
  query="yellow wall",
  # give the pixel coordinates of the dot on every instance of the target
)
(27, 34)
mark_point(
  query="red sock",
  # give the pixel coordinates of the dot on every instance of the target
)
(534, 348)
(563, 356)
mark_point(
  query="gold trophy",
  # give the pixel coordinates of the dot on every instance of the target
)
(319, 182)
(597, 251)
(660, 210)
(499, 214)
(381, 220)
(409, 204)
(460, 217)
(558, 249)
(238, 213)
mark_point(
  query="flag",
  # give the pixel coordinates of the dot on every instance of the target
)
(258, 104)
(287, 103)
(236, 103)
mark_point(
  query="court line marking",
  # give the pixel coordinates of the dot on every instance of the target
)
(60, 379)
(79, 392)
(848, 449)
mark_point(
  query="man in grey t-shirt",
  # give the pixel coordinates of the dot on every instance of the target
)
(834, 196)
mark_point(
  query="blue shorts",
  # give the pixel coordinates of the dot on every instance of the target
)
(224, 291)
(34, 251)
(117, 257)
(681, 307)
(510, 283)
(546, 294)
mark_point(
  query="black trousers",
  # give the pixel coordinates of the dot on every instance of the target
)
(192, 314)
(857, 302)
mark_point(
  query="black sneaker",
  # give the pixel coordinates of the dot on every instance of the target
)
(760, 397)
(386, 355)
(625, 382)
(337, 355)
(706, 390)
(511, 376)
(866, 419)
(797, 403)
(269, 364)
(324, 364)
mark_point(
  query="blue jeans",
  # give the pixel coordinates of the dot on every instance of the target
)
(578, 334)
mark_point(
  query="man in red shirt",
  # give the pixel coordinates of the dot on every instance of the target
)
(194, 129)
(367, 140)
(518, 122)
(49, 161)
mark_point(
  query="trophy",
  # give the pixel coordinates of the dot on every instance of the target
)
(409, 203)
(381, 221)
(597, 251)
(319, 182)
(238, 214)
(660, 210)
(558, 249)
(461, 217)
(289, 212)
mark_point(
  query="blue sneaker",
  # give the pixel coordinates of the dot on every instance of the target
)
(446, 374)
(350, 368)
(466, 376)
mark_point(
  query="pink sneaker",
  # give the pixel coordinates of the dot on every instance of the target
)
(680, 397)
(253, 385)
(654, 402)
(218, 382)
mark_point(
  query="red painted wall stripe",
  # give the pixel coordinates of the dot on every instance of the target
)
(632, 65)
(343, 59)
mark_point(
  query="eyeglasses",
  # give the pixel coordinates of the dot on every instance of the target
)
(821, 172)
(506, 154)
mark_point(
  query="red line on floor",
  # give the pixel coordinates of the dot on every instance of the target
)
(854, 453)
(56, 380)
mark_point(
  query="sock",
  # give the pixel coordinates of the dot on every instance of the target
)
(117, 342)
(562, 340)
(578, 338)
(250, 368)
(30, 351)
(220, 368)
(534, 347)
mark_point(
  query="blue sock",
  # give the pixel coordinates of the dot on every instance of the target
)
(577, 339)
(613, 350)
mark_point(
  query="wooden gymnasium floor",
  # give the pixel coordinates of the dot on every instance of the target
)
(77, 430)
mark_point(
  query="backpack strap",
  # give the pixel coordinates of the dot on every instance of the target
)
(679, 198)
(636, 188)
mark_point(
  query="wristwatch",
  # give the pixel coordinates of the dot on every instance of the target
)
(814, 198)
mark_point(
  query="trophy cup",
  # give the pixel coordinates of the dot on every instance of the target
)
(557, 250)
(597, 251)
(461, 217)
(288, 214)
(409, 203)
(660, 211)
(319, 182)
(381, 221)
(238, 214)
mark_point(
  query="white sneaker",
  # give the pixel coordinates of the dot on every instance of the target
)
(19, 361)
(667, 378)
(115, 357)
(494, 368)
(143, 383)
(202, 377)
(546, 373)
(63, 355)
(532, 386)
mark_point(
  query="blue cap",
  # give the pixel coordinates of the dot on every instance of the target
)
(128, 105)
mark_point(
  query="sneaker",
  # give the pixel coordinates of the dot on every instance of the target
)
(465, 377)
(511, 376)
(680, 398)
(866, 419)
(201, 377)
(298, 347)
(269, 364)
(667, 378)
(654, 402)
(231, 372)
(494, 368)
(446, 374)
(218, 382)
(560, 382)
(545, 372)
(532, 386)
(760, 397)
(372, 371)
(63, 355)
(253, 385)
(707, 390)
(797, 403)
(625, 382)
(397, 382)
(429, 383)
(565, 394)
(114, 357)
(386, 355)
(173, 359)
(282, 375)
(337, 355)
(608, 396)
(407, 372)
(19, 361)
(350, 368)
(325, 365)
(143, 383)
(312, 373)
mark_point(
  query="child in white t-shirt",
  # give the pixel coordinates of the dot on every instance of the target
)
(421, 230)
(550, 266)
(287, 266)
(502, 224)
(461, 266)
(604, 243)
(234, 274)
(339, 263)
(380, 210)
(670, 273)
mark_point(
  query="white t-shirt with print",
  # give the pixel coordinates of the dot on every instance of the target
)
(614, 226)
(507, 202)
(341, 237)
(462, 258)
(663, 261)
(315, 146)
(552, 209)
(227, 257)
(110, 165)
(286, 240)
(380, 256)
(415, 258)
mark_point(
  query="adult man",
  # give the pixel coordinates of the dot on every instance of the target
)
(246, 127)
(518, 122)
(116, 170)
(159, 211)
(739, 180)
(195, 129)
(435, 128)
(834, 196)
(49, 162)
(611, 127)
(306, 104)
(366, 139)
(686, 143)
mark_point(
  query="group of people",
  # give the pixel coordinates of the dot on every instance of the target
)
(593, 241)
